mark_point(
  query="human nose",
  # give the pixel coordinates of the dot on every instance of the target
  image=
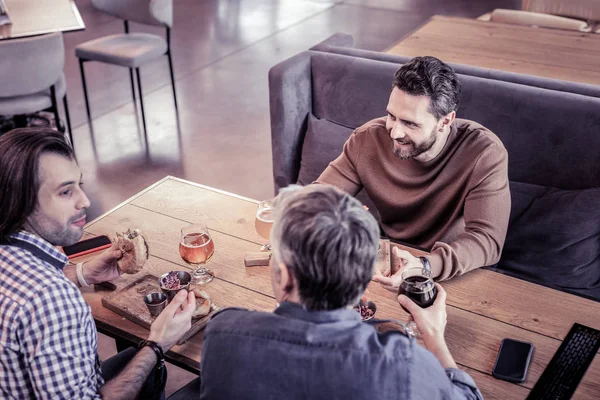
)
(397, 131)
(83, 201)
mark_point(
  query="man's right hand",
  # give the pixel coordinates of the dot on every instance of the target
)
(431, 321)
(174, 320)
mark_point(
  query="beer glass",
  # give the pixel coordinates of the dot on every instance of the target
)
(196, 247)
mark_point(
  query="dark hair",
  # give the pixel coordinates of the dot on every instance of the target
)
(328, 242)
(20, 151)
(428, 76)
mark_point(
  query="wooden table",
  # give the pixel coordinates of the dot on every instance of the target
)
(37, 17)
(483, 306)
(551, 53)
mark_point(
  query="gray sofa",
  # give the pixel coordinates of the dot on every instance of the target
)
(551, 130)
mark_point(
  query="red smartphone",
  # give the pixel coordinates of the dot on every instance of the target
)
(87, 246)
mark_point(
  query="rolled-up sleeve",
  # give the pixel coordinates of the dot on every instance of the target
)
(463, 382)
(429, 380)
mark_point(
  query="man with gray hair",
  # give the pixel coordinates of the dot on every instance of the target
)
(314, 345)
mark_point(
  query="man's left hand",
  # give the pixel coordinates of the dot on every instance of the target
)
(104, 267)
(402, 260)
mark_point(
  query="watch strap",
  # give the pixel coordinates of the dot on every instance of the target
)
(426, 263)
(160, 357)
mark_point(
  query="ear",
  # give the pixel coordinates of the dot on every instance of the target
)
(447, 120)
(285, 278)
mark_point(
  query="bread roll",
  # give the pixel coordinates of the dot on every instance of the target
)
(135, 251)
(202, 303)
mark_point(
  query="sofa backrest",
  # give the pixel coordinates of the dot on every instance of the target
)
(551, 136)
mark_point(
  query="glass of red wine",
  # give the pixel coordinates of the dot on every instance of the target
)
(417, 284)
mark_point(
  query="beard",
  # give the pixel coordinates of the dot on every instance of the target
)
(54, 232)
(414, 149)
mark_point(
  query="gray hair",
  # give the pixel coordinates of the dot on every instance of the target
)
(327, 241)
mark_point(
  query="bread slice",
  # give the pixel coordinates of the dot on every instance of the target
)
(202, 303)
(135, 251)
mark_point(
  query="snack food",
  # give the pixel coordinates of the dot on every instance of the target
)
(135, 251)
(171, 281)
(364, 311)
(365, 308)
(202, 303)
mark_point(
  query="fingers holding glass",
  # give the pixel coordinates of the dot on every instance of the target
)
(417, 284)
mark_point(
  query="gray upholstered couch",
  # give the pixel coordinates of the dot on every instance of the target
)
(551, 130)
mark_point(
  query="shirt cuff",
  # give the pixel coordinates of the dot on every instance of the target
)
(462, 378)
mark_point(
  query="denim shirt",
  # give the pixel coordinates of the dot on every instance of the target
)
(294, 353)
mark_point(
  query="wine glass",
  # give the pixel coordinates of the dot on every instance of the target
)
(417, 284)
(264, 222)
(196, 247)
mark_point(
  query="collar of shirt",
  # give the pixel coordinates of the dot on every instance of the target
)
(39, 248)
(298, 311)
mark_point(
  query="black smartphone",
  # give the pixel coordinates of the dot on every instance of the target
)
(513, 360)
(87, 246)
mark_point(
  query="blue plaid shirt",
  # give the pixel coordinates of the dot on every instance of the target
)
(48, 339)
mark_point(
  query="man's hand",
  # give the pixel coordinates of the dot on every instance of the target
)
(431, 323)
(174, 320)
(104, 267)
(402, 260)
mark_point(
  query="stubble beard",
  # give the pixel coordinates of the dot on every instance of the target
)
(415, 150)
(49, 231)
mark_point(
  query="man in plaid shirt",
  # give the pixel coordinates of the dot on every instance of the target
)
(48, 340)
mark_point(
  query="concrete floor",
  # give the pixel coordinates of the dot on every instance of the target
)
(222, 51)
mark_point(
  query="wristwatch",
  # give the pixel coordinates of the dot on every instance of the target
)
(426, 264)
(160, 357)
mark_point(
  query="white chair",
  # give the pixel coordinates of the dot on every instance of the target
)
(518, 17)
(131, 50)
(587, 10)
(32, 77)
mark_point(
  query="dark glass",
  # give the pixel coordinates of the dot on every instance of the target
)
(418, 286)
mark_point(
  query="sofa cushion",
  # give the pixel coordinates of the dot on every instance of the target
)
(323, 143)
(554, 237)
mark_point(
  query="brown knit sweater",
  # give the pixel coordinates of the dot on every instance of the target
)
(457, 204)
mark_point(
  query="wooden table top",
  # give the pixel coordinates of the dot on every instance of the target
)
(551, 53)
(483, 306)
(37, 17)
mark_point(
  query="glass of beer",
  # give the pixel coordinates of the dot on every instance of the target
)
(196, 247)
(264, 222)
(418, 286)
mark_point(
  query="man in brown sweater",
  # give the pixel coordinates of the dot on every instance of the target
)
(437, 182)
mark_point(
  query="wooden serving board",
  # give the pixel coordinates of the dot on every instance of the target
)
(129, 303)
